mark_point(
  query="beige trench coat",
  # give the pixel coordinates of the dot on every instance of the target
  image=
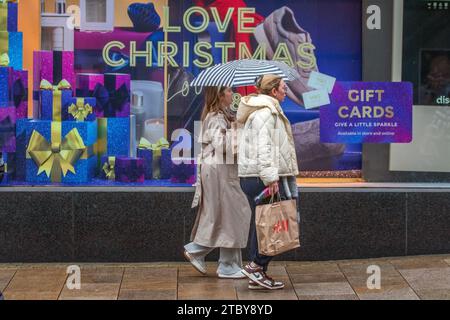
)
(223, 218)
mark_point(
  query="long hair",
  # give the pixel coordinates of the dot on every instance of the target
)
(212, 102)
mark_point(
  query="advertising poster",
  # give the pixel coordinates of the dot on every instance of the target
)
(365, 112)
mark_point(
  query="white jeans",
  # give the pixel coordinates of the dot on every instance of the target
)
(230, 261)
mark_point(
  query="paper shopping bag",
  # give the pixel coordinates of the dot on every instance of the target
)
(277, 227)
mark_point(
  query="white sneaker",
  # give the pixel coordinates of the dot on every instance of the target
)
(200, 267)
(237, 275)
(254, 286)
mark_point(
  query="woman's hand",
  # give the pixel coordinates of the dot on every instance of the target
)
(274, 188)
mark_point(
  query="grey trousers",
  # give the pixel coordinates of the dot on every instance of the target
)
(230, 261)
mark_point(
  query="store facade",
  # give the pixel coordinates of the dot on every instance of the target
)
(128, 199)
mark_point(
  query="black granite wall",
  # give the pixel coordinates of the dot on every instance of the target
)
(154, 226)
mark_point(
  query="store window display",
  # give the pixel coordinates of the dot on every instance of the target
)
(101, 123)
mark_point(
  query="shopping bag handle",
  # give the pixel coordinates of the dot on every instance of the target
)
(278, 203)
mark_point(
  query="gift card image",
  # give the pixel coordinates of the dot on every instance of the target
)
(315, 99)
(321, 81)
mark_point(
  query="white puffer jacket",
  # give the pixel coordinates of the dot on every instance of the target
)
(266, 144)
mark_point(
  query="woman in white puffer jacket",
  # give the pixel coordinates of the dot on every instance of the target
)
(267, 158)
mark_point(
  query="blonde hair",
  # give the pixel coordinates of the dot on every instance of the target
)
(266, 83)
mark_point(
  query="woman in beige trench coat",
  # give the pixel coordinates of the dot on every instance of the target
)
(223, 218)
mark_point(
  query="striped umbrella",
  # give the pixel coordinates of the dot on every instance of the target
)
(240, 73)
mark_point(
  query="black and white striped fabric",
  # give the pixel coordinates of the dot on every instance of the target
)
(240, 73)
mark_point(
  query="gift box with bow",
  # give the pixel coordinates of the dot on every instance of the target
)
(8, 129)
(81, 109)
(153, 155)
(53, 66)
(117, 101)
(88, 83)
(54, 100)
(112, 91)
(113, 137)
(130, 170)
(60, 152)
(11, 43)
(8, 15)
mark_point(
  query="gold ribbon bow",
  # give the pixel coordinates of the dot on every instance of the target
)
(58, 156)
(147, 145)
(80, 111)
(62, 85)
(109, 168)
(4, 60)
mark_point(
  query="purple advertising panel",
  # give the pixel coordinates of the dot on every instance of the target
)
(368, 112)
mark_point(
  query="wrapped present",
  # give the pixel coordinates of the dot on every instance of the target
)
(87, 83)
(147, 155)
(20, 92)
(93, 85)
(165, 164)
(6, 78)
(60, 152)
(9, 15)
(21, 148)
(112, 92)
(184, 170)
(108, 168)
(11, 43)
(113, 137)
(81, 109)
(130, 170)
(54, 100)
(118, 88)
(153, 153)
(53, 66)
(8, 129)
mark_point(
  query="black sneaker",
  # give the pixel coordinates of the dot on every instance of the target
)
(256, 274)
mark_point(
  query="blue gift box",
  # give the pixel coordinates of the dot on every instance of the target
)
(70, 134)
(81, 109)
(166, 164)
(113, 137)
(9, 16)
(6, 78)
(14, 42)
(147, 155)
(52, 112)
